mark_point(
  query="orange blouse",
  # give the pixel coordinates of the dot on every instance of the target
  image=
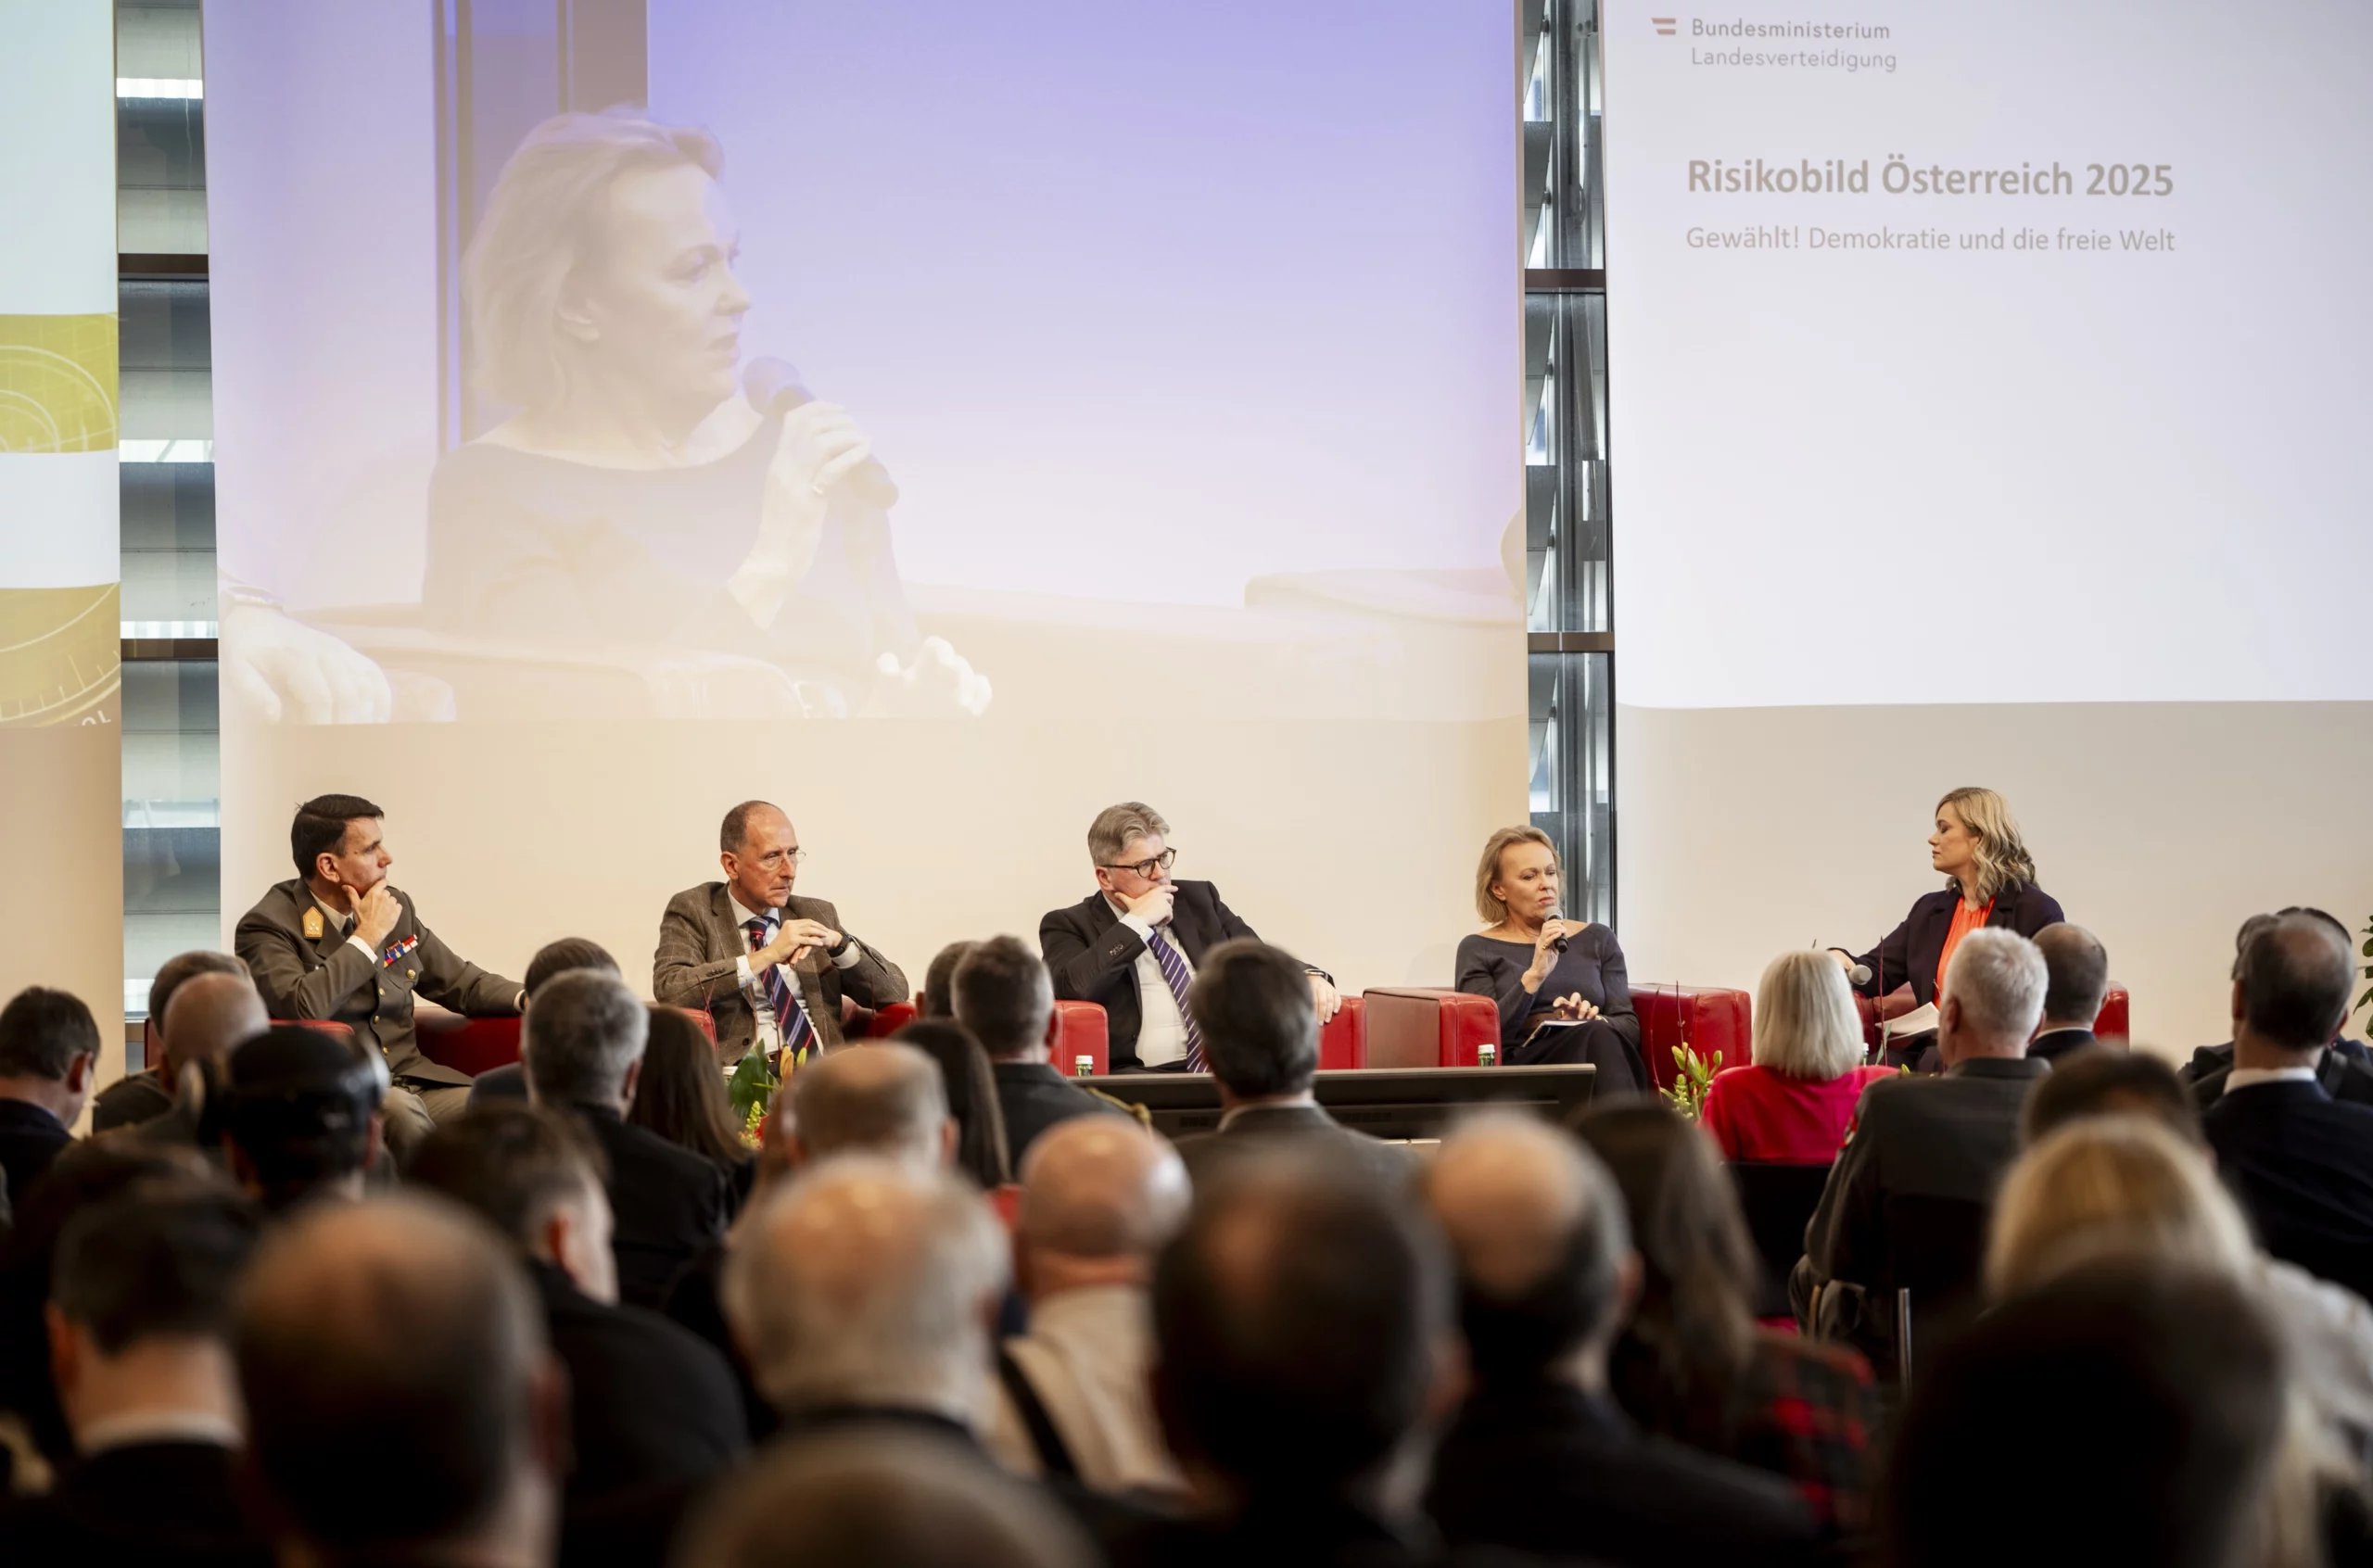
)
(1965, 920)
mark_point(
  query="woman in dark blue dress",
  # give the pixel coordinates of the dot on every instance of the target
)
(1517, 961)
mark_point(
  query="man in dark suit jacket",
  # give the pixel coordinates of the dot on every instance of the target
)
(2299, 1161)
(142, 1284)
(2346, 1068)
(1540, 1458)
(1251, 1005)
(1133, 945)
(1003, 996)
(49, 1050)
(731, 949)
(1932, 1138)
(148, 1094)
(339, 941)
(583, 1049)
(655, 1413)
(2078, 967)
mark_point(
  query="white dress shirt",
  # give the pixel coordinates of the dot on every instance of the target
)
(1085, 1357)
(339, 918)
(1162, 1028)
(2242, 1078)
(753, 985)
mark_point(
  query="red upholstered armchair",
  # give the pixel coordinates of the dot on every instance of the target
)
(2111, 1026)
(1086, 1032)
(1425, 1026)
(1705, 1017)
(469, 1045)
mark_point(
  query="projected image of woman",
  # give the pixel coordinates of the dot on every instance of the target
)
(641, 496)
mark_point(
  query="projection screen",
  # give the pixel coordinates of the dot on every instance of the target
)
(943, 421)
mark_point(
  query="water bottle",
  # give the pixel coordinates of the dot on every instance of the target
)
(1487, 1055)
(1083, 1066)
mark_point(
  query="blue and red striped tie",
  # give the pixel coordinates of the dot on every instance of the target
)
(790, 1012)
(1174, 970)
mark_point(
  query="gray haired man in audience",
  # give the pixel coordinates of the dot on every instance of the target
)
(886, 1100)
(1099, 1196)
(864, 1292)
(147, 1094)
(1948, 1138)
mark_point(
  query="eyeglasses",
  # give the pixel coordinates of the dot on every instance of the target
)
(793, 855)
(1146, 868)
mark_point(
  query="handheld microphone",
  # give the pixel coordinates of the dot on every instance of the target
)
(1859, 974)
(1557, 941)
(773, 387)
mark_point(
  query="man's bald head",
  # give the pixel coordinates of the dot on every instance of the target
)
(887, 1100)
(1542, 1243)
(1100, 1195)
(868, 1282)
(210, 1014)
(392, 1342)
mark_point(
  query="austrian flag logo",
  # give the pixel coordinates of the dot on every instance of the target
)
(1664, 25)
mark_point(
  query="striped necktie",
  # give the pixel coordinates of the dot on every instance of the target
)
(790, 1012)
(1174, 971)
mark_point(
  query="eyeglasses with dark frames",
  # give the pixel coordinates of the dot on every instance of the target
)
(1146, 868)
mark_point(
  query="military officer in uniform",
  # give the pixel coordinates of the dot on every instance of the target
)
(339, 941)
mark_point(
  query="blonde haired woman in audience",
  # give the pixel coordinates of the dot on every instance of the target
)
(2124, 1185)
(1795, 1102)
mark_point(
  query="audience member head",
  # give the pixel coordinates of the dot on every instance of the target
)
(1252, 1003)
(1303, 1328)
(2290, 991)
(2146, 1402)
(139, 1307)
(299, 1113)
(880, 1498)
(583, 1041)
(171, 974)
(559, 957)
(1977, 843)
(681, 1095)
(339, 846)
(2100, 1080)
(536, 1177)
(1992, 997)
(868, 1283)
(1806, 1026)
(1100, 1195)
(210, 1015)
(939, 981)
(2078, 976)
(2112, 1185)
(982, 1151)
(1545, 1266)
(886, 1100)
(402, 1402)
(759, 849)
(1004, 995)
(49, 1050)
(1693, 1333)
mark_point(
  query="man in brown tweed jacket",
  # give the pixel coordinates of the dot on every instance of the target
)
(768, 965)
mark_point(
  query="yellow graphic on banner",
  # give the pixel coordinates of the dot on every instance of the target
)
(57, 384)
(60, 655)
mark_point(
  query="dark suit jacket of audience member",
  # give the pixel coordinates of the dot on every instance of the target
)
(1033, 1096)
(695, 1304)
(1254, 1126)
(29, 1139)
(654, 1416)
(1546, 1468)
(1948, 1137)
(1908, 955)
(1093, 957)
(2345, 1069)
(128, 1101)
(2302, 1164)
(2058, 1042)
(157, 1505)
(667, 1203)
(1282, 1530)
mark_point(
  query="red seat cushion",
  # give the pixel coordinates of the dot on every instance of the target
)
(470, 1045)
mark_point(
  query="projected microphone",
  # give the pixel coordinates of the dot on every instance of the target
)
(773, 387)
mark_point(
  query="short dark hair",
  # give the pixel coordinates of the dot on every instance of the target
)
(508, 1164)
(734, 831)
(2146, 1401)
(938, 980)
(2295, 975)
(42, 1031)
(1296, 1317)
(1251, 1003)
(320, 828)
(158, 1261)
(397, 1338)
(298, 1104)
(181, 967)
(1003, 993)
(2077, 970)
(2104, 1081)
(558, 957)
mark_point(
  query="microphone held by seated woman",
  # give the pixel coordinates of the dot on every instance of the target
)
(1544, 970)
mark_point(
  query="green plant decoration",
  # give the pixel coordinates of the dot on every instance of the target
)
(752, 1089)
(1687, 1094)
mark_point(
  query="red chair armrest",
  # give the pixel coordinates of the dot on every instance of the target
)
(1707, 1018)
(1343, 1041)
(1084, 1034)
(1423, 1027)
(470, 1045)
(888, 1020)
